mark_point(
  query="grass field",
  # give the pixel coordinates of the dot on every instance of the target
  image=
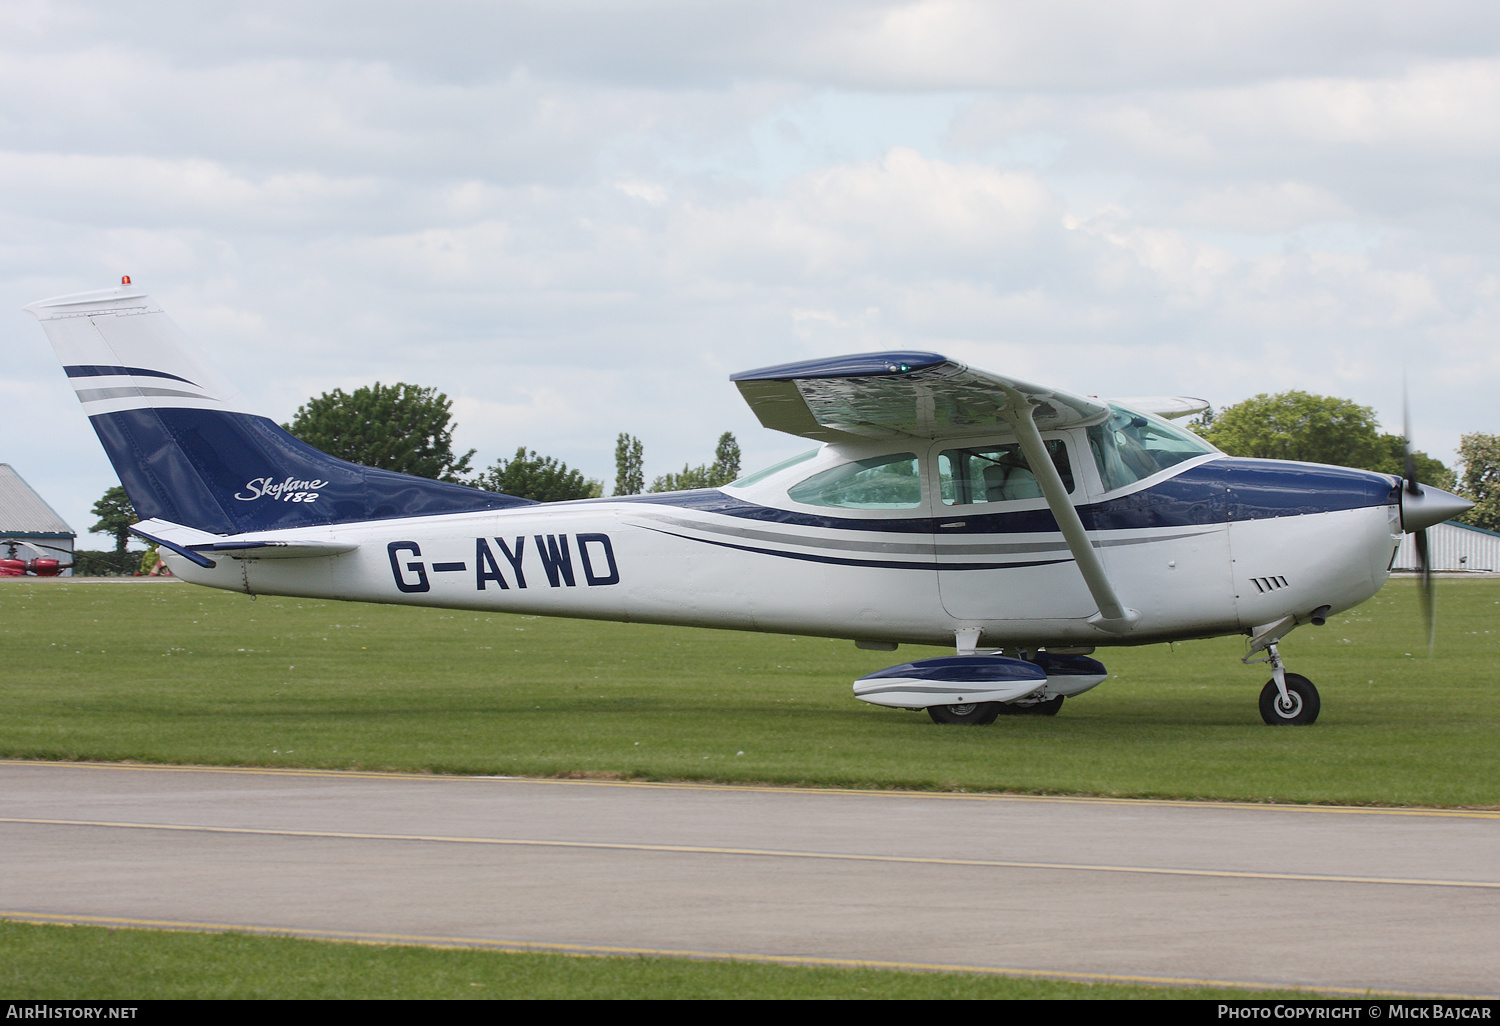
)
(174, 673)
(67, 962)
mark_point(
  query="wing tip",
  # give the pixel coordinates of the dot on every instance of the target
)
(852, 365)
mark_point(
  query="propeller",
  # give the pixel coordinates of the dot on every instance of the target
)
(1420, 509)
(1424, 561)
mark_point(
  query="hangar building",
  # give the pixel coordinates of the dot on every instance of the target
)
(28, 526)
(1453, 546)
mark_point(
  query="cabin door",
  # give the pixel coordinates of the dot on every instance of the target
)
(1000, 555)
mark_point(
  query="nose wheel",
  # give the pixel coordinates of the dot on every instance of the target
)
(1288, 699)
(1299, 707)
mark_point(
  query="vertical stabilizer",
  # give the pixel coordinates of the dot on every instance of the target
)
(189, 452)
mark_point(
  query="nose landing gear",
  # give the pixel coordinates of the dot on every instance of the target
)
(1288, 699)
(1299, 707)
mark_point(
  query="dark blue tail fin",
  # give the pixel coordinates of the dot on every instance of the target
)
(186, 450)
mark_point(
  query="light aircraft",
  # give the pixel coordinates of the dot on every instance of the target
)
(944, 505)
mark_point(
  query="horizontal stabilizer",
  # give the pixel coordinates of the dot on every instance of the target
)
(896, 394)
(176, 538)
(200, 546)
(272, 549)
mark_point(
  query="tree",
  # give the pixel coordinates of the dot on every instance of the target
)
(630, 474)
(1481, 482)
(542, 478)
(1315, 429)
(724, 469)
(115, 514)
(726, 459)
(400, 427)
(1429, 470)
(1299, 426)
(97, 563)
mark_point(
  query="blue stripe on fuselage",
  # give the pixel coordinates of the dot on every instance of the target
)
(879, 564)
(1217, 492)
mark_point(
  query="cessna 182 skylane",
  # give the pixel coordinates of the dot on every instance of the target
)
(945, 505)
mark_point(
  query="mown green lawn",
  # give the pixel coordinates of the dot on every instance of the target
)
(87, 962)
(175, 673)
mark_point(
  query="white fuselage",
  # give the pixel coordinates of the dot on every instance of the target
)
(752, 558)
(947, 505)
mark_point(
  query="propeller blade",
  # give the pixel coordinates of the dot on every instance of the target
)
(53, 548)
(1420, 510)
(1429, 609)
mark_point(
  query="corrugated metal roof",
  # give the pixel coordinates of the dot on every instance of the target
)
(23, 511)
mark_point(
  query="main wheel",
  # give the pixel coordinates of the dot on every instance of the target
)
(976, 713)
(1302, 707)
(1047, 708)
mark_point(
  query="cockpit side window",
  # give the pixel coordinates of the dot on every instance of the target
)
(996, 473)
(1131, 446)
(883, 482)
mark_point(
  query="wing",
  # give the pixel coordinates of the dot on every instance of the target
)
(890, 395)
(1168, 406)
(924, 395)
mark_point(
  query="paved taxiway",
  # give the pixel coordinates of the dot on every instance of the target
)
(1394, 900)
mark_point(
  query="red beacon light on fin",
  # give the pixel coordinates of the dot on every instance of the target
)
(124, 279)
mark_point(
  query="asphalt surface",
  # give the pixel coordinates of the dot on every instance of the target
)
(1341, 900)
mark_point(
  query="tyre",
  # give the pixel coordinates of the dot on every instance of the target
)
(1047, 708)
(976, 713)
(1301, 710)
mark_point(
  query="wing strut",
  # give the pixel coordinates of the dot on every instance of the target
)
(1113, 617)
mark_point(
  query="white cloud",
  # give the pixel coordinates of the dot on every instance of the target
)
(577, 218)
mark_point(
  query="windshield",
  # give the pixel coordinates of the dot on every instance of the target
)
(1131, 446)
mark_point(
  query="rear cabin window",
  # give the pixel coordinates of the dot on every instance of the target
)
(883, 482)
(775, 468)
(997, 473)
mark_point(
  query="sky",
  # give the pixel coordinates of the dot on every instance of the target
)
(578, 217)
